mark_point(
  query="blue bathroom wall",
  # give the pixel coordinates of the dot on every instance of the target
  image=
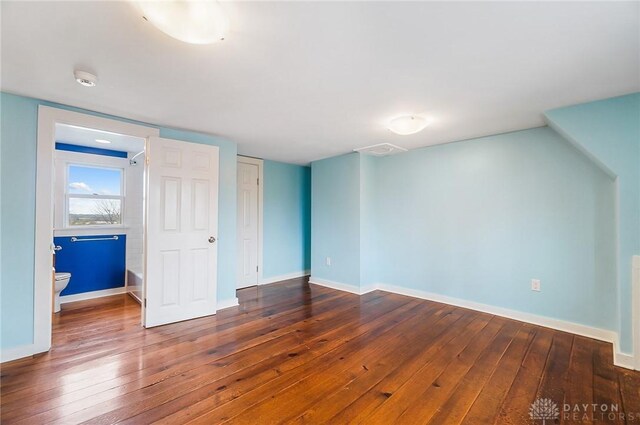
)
(60, 146)
(94, 265)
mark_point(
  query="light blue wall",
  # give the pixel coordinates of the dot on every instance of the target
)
(368, 216)
(17, 218)
(286, 219)
(478, 219)
(344, 220)
(475, 220)
(609, 132)
(18, 170)
(335, 219)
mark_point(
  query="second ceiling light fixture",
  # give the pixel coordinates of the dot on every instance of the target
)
(407, 124)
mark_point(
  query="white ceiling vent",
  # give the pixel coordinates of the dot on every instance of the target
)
(381, 149)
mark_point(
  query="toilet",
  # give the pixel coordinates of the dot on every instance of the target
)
(62, 280)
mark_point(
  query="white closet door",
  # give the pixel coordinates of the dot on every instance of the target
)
(247, 244)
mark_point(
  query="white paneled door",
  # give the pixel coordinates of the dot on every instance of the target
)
(247, 222)
(182, 227)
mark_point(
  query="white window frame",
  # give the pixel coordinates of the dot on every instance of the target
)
(68, 196)
(63, 159)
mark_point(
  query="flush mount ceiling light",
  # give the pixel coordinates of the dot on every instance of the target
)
(191, 21)
(103, 141)
(85, 78)
(407, 124)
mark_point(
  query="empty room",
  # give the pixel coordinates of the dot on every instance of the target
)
(319, 212)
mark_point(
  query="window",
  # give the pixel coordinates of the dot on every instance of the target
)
(94, 195)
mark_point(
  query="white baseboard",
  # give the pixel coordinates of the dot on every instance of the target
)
(15, 353)
(133, 295)
(364, 289)
(93, 294)
(227, 303)
(558, 324)
(7, 355)
(274, 279)
(620, 359)
(354, 289)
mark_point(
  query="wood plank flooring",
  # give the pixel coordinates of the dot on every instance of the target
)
(299, 353)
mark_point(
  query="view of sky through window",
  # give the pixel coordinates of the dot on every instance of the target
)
(94, 181)
(100, 185)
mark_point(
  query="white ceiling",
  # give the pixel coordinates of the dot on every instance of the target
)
(301, 81)
(80, 136)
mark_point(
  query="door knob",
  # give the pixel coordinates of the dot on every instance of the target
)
(212, 239)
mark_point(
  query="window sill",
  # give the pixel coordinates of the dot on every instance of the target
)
(98, 227)
(97, 231)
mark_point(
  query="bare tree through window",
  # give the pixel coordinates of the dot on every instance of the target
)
(108, 211)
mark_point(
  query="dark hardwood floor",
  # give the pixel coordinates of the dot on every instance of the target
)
(300, 353)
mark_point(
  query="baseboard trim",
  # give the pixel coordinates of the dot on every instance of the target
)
(354, 289)
(15, 353)
(280, 278)
(620, 359)
(233, 302)
(93, 294)
(557, 324)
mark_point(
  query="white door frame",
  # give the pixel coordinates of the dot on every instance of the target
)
(260, 163)
(635, 309)
(47, 119)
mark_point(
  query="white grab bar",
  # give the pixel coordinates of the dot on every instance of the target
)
(111, 238)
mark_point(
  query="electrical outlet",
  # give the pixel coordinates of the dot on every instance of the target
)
(535, 285)
(328, 261)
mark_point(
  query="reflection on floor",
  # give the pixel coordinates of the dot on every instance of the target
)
(303, 353)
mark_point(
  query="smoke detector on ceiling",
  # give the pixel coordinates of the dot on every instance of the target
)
(85, 78)
(381, 149)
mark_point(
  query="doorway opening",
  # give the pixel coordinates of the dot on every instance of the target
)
(98, 215)
(109, 202)
(90, 217)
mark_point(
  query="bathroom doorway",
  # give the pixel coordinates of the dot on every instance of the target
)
(98, 214)
(92, 208)
(90, 213)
